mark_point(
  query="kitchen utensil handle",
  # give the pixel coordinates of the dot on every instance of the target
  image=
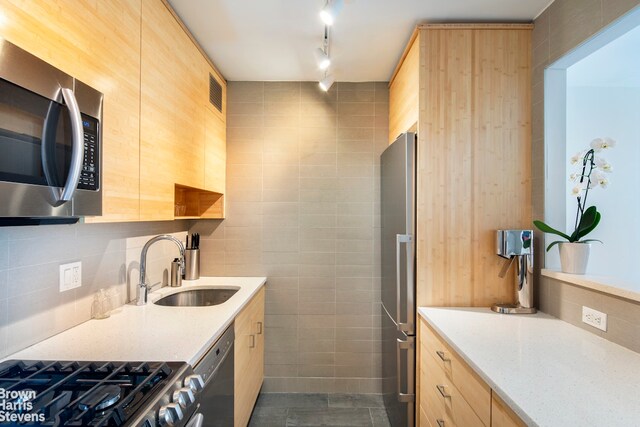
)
(443, 392)
(408, 239)
(77, 151)
(403, 345)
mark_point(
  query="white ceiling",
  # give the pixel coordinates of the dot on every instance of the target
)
(616, 64)
(264, 40)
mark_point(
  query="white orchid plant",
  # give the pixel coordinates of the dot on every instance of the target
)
(593, 171)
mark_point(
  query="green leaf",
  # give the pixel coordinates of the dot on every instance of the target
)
(583, 231)
(546, 229)
(553, 244)
(590, 240)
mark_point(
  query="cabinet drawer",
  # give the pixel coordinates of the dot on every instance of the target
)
(475, 392)
(440, 387)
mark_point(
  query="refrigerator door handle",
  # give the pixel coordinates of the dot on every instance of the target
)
(408, 239)
(409, 344)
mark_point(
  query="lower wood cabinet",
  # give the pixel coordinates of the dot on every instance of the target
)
(248, 358)
(502, 415)
(451, 393)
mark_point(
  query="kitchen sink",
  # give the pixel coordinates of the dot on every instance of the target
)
(197, 297)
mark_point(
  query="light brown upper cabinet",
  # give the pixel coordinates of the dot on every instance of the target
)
(182, 148)
(404, 90)
(164, 143)
(98, 43)
(474, 151)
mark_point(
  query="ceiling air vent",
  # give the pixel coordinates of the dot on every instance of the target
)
(215, 93)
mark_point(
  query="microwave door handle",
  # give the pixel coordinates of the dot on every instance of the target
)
(77, 151)
(48, 151)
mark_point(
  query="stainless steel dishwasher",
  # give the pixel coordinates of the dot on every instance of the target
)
(216, 398)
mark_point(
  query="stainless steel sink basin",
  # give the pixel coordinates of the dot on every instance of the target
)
(197, 297)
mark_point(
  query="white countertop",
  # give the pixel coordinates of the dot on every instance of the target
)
(548, 371)
(150, 332)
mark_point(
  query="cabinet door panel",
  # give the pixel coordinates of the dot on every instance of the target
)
(403, 93)
(158, 126)
(249, 358)
(215, 152)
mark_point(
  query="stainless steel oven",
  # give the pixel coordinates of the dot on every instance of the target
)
(50, 142)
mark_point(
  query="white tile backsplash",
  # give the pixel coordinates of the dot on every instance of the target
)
(31, 306)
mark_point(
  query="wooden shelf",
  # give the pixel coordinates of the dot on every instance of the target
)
(196, 203)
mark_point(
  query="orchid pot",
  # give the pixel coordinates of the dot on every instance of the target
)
(574, 257)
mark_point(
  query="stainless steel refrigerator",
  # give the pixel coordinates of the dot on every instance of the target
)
(398, 206)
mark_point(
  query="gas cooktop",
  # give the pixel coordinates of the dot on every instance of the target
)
(47, 393)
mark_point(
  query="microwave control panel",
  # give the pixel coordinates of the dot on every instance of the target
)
(90, 174)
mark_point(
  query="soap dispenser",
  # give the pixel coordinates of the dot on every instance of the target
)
(517, 245)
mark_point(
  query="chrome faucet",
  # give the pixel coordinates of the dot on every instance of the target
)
(143, 288)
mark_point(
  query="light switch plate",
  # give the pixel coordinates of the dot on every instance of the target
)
(594, 318)
(70, 276)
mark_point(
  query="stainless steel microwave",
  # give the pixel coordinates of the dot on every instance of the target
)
(50, 142)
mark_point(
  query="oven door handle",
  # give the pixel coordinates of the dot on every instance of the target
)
(77, 151)
(196, 421)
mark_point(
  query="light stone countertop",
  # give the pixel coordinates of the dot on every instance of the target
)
(150, 332)
(549, 372)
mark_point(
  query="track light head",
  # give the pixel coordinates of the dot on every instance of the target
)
(326, 83)
(322, 59)
(330, 11)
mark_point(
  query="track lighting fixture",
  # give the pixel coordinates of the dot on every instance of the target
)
(322, 59)
(326, 83)
(330, 11)
(322, 54)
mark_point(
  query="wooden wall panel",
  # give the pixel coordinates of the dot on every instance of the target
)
(403, 92)
(501, 153)
(98, 43)
(473, 159)
(445, 174)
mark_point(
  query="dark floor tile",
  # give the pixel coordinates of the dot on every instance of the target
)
(379, 417)
(355, 401)
(293, 400)
(342, 417)
(268, 417)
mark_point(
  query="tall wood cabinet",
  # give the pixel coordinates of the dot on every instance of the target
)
(465, 90)
(472, 115)
(163, 142)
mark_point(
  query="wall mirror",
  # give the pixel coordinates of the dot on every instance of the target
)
(594, 92)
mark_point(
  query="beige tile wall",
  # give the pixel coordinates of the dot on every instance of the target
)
(31, 306)
(560, 28)
(302, 209)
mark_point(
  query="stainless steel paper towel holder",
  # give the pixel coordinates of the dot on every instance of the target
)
(517, 245)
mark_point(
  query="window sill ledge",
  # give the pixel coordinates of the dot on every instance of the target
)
(605, 284)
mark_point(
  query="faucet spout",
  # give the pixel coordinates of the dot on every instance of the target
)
(143, 288)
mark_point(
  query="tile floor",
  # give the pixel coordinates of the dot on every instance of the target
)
(298, 409)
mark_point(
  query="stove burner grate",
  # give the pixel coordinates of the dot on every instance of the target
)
(85, 393)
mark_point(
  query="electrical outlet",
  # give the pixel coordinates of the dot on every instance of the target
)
(594, 318)
(70, 276)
